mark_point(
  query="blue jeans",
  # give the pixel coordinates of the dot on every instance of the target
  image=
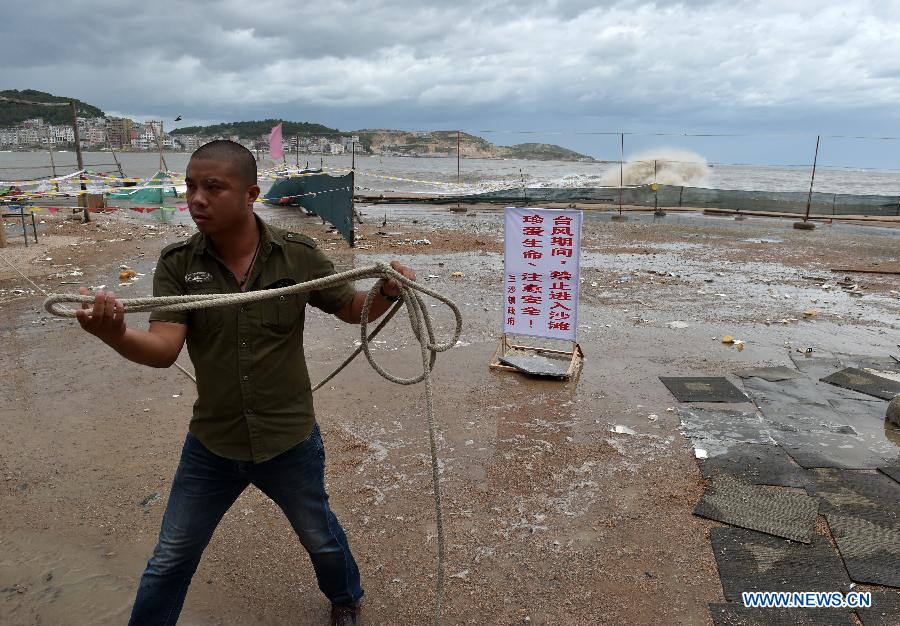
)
(205, 487)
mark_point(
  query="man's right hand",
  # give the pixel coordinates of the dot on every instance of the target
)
(105, 319)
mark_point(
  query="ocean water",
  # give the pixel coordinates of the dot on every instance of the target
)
(439, 175)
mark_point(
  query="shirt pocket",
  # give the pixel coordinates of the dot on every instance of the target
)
(206, 320)
(281, 314)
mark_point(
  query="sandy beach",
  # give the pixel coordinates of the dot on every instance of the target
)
(553, 514)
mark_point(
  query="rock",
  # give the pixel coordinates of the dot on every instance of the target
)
(893, 412)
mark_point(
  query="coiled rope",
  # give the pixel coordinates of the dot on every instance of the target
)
(419, 319)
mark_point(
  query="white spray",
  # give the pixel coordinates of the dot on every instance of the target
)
(673, 167)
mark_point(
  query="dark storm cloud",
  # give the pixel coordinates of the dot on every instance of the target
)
(691, 64)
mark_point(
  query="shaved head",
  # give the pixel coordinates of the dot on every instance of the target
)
(236, 155)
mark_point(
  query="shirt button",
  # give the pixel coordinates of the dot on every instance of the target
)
(249, 411)
(246, 377)
(242, 309)
(243, 344)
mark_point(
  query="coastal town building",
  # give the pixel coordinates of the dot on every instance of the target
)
(122, 133)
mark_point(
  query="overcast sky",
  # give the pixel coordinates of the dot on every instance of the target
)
(794, 68)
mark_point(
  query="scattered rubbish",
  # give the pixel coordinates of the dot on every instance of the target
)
(870, 549)
(126, 274)
(678, 324)
(421, 242)
(457, 274)
(153, 497)
(748, 561)
(624, 278)
(764, 509)
(864, 382)
(700, 453)
(703, 389)
(855, 270)
(619, 429)
(176, 395)
(772, 374)
(737, 343)
(811, 313)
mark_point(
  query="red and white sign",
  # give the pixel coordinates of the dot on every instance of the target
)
(541, 277)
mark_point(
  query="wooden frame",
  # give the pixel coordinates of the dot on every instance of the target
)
(505, 346)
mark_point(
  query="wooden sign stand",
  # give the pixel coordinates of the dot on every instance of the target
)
(504, 346)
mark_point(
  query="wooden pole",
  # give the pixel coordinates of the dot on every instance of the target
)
(80, 159)
(812, 180)
(805, 224)
(162, 160)
(50, 150)
(113, 152)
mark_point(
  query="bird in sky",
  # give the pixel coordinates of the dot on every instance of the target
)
(178, 119)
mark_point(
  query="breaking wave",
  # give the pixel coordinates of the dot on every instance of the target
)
(673, 167)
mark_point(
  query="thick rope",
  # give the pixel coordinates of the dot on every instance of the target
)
(419, 319)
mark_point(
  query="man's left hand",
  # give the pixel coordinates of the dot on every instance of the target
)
(391, 288)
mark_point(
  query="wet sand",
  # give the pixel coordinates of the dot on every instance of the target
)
(551, 517)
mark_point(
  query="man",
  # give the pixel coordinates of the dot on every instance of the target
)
(253, 421)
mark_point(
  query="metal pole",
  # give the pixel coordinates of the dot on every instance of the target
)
(457, 157)
(353, 149)
(621, 169)
(297, 150)
(80, 159)
(655, 188)
(812, 180)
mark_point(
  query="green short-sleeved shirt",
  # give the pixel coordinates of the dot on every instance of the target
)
(253, 392)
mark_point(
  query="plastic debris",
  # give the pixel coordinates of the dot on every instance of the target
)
(810, 313)
(678, 324)
(700, 453)
(619, 429)
(457, 274)
(727, 339)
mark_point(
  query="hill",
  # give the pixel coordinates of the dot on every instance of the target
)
(542, 152)
(444, 143)
(12, 114)
(252, 130)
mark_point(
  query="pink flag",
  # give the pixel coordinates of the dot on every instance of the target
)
(276, 149)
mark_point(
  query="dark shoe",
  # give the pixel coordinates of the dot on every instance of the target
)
(346, 615)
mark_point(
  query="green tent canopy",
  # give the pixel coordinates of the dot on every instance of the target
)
(148, 192)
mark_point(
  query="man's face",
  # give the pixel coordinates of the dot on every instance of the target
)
(217, 197)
